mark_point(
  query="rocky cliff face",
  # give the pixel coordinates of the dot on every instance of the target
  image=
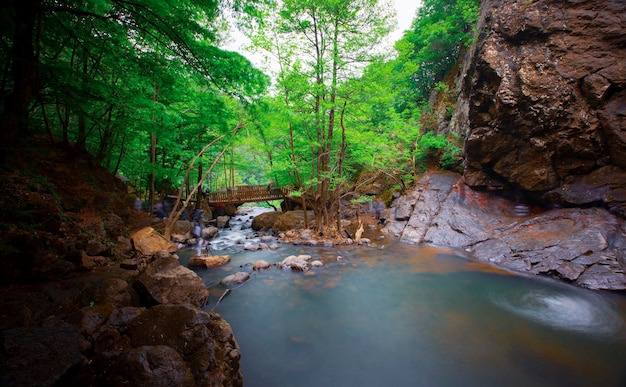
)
(543, 101)
(583, 246)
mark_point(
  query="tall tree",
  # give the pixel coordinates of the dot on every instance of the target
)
(328, 42)
(90, 69)
(21, 63)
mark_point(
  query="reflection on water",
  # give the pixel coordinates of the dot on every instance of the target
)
(411, 316)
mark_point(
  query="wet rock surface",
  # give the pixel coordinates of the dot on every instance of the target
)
(261, 265)
(148, 242)
(98, 329)
(208, 261)
(235, 279)
(265, 221)
(580, 245)
(542, 101)
(166, 281)
(293, 220)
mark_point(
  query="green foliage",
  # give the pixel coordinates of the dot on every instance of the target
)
(363, 199)
(112, 73)
(441, 29)
(436, 149)
(319, 45)
(441, 87)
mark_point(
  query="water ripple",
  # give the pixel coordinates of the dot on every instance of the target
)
(575, 311)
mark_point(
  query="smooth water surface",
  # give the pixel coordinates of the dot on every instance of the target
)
(416, 316)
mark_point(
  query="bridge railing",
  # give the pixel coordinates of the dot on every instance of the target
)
(248, 193)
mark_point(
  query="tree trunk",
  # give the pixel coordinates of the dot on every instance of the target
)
(176, 212)
(200, 194)
(106, 136)
(331, 128)
(64, 118)
(82, 124)
(24, 69)
(321, 147)
(153, 143)
(45, 120)
(121, 155)
(342, 156)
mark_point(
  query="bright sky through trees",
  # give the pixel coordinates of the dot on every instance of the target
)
(405, 13)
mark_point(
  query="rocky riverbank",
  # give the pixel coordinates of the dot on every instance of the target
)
(584, 246)
(117, 326)
(85, 300)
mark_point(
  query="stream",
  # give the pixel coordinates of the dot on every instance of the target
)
(405, 315)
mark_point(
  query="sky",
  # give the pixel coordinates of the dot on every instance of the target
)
(405, 11)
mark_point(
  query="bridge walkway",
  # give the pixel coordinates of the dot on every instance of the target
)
(248, 194)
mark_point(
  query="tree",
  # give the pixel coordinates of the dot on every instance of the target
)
(324, 43)
(90, 73)
(140, 84)
(439, 32)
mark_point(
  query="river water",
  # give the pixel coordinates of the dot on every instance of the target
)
(413, 316)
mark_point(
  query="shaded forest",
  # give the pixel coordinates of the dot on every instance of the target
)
(144, 87)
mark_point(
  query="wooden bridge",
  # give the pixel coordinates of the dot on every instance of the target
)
(248, 194)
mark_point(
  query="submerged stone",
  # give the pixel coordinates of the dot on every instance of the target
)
(261, 265)
(235, 279)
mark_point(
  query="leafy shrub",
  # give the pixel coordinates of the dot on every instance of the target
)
(362, 199)
(437, 149)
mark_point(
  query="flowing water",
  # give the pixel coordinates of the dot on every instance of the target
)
(414, 316)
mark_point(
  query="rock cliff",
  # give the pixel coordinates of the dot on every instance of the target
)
(543, 101)
(583, 246)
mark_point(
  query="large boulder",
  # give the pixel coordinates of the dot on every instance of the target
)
(204, 341)
(261, 265)
(295, 263)
(157, 365)
(183, 227)
(93, 330)
(542, 101)
(208, 261)
(293, 220)
(265, 221)
(235, 279)
(210, 232)
(579, 245)
(113, 225)
(148, 242)
(166, 281)
(223, 221)
(25, 358)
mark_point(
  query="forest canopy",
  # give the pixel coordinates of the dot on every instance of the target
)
(144, 86)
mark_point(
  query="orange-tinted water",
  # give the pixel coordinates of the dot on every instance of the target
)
(417, 316)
